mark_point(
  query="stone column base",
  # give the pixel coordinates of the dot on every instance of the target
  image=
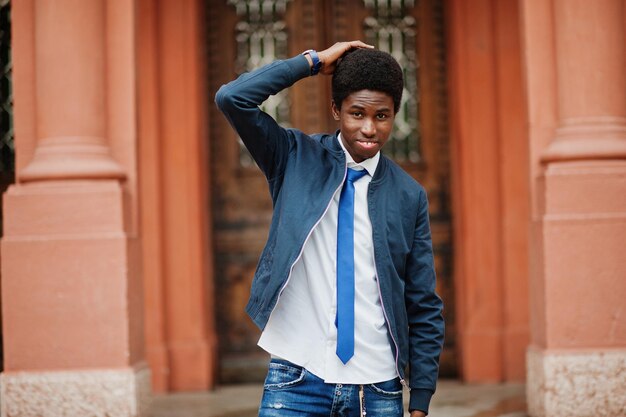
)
(123, 392)
(576, 384)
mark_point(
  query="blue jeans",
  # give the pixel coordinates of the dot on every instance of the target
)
(292, 391)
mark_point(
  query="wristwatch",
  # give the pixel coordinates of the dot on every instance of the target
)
(317, 64)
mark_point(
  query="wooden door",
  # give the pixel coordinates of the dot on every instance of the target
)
(243, 34)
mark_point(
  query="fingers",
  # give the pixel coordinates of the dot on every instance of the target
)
(337, 50)
(329, 56)
(344, 47)
(359, 44)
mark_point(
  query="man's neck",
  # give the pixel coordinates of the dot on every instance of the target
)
(369, 164)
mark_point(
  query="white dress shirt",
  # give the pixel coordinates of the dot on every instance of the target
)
(301, 328)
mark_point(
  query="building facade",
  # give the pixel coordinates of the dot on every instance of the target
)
(135, 218)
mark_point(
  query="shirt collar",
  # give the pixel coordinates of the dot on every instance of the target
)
(369, 164)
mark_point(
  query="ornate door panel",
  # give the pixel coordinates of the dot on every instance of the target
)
(243, 34)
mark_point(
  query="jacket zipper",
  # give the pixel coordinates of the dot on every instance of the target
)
(382, 304)
(345, 172)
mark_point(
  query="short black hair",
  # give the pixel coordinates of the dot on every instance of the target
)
(367, 69)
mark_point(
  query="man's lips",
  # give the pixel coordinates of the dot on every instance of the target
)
(367, 143)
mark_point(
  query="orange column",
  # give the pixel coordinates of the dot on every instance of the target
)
(514, 190)
(490, 189)
(72, 298)
(189, 307)
(576, 83)
(70, 103)
(175, 187)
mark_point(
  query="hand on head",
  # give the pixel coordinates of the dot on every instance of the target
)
(329, 57)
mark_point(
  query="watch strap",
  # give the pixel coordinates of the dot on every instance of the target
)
(317, 64)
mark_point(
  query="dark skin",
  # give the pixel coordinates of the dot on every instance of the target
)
(366, 120)
(365, 117)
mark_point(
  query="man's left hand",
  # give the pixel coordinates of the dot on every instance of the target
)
(416, 413)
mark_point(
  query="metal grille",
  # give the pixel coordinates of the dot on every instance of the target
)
(391, 29)
(261, 37)
(7, 152)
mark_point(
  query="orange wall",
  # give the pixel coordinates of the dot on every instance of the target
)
(71, 275)
(577, 132)
(490, 187)
(112, 195)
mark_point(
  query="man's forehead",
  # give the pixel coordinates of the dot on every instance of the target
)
(368, 97)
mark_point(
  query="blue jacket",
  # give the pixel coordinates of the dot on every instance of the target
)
(303, 173)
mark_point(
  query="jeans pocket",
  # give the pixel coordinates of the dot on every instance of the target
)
(389, 389)
(283, 374)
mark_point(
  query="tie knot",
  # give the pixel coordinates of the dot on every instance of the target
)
(354, 175)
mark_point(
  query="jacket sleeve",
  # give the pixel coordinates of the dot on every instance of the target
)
(239, 100)
(424, 312)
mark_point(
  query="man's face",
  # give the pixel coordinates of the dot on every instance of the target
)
(366, 120)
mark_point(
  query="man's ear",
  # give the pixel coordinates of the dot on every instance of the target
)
(334, 110)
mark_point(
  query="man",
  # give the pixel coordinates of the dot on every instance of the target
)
(345, 287)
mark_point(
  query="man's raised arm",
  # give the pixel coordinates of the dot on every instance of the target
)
(240, 99)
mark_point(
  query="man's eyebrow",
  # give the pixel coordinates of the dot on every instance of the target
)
(359, 107)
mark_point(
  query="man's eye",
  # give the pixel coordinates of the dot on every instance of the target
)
(381, 116)
(357, 114)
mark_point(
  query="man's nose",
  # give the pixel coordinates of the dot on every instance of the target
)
(368, 128)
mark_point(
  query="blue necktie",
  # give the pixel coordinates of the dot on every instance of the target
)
(345, 268)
